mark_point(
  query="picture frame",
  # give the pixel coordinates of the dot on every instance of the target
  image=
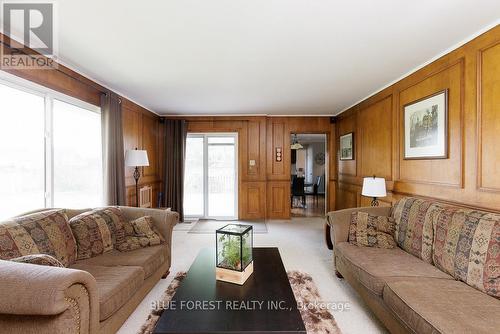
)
(425, 127)
(347, 146)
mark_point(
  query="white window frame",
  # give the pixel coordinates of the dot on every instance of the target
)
(205, 136)
(49, 96)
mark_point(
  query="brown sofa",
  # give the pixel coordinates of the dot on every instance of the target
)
(94, 295)
(408, 294)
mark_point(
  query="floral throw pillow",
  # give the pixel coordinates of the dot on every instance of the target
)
(467, 246)
(132, 243)
(144, 227)
(371, 231)
(40, 259)
(46, 232)
(140, 233)
(98, 231)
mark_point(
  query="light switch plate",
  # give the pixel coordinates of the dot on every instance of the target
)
(252, 163)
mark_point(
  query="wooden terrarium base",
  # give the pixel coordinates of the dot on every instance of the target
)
(233, 276)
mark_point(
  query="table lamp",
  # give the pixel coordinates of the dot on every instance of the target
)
(136, 158)
(374, 187)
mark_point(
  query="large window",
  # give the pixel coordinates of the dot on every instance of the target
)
(77, 156)
(22, 151)
(50, 150)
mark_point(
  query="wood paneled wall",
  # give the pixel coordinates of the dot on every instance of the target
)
(470, 175)
(264, 189)
(62, 79)
(142, 130)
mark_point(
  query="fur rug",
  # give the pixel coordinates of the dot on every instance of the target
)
(316, 319)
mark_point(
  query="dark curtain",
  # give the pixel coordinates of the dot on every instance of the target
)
(112, 150)
(175, 152)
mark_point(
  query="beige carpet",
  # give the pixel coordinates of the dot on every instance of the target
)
(316, 318)
(209, 226)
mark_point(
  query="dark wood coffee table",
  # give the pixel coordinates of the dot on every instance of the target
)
(264, 304)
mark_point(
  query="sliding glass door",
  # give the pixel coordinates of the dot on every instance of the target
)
(221, 176)
(210, 181)
(194, 177)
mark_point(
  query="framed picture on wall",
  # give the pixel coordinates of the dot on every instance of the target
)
(426, 127)
(347, 146)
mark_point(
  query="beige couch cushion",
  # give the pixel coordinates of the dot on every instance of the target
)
(430, 305)
(149, 258)
(116, 285)
(373, 267)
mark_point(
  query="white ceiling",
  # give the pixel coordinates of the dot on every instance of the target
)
(276, 57)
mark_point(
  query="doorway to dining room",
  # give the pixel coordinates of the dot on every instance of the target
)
(308, 175)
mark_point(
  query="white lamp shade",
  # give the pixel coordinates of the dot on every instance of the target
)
(136, 158)
(374, 187)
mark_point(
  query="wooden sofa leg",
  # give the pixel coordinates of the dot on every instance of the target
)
(339, 275)
(165, 274)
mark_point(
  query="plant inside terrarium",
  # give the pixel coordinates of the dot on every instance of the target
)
(230, 251)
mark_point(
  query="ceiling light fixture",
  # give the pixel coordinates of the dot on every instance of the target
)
(295, 143)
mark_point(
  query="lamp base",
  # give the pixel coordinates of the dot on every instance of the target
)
(374, 201)
(137, 175)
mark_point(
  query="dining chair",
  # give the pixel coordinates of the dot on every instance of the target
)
(298, 190)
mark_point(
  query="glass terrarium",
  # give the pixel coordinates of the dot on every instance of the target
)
(234, 258)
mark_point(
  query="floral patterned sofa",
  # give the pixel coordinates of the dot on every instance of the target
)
(98, 270)
(443, 276)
